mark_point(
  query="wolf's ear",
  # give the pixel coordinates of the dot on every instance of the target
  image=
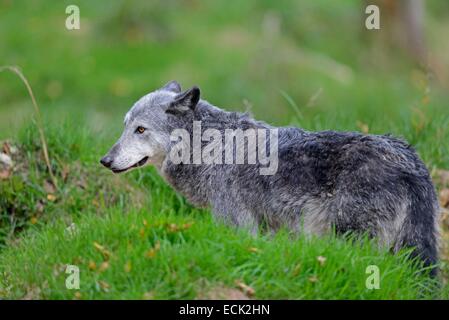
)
(185, 101)
(172, 86)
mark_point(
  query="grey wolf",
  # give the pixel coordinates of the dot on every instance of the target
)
(343, 181)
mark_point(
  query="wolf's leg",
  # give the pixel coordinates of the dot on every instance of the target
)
(408, 221)
(238, 217)
(246, 220)
(367, 213)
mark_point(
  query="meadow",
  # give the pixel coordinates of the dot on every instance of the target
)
(305, 63)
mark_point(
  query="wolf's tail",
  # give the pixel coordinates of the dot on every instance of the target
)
(420, 227)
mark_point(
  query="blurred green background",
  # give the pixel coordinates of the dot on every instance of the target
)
(312, 63)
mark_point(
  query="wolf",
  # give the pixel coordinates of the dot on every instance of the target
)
(346, 182)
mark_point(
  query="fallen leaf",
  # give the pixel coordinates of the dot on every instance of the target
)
(245, 288)
(321, 260)
(152, 252)
(51, 197)
(77, 295)
(33, 220)
(98, 246)
(313, 279)
(104, 285)
(186, 226)
(172, 227)
(253, 250)
(444, 198)
(103, 266)
(106, 254)
(92, 265)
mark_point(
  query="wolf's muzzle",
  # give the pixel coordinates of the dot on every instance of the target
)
(106, 161)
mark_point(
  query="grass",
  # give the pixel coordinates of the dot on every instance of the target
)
(303, 63)
(164, 255)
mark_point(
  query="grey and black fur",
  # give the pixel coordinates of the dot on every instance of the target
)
(346, 181)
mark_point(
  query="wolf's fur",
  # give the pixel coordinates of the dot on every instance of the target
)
(343, 180)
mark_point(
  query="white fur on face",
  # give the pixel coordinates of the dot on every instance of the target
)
(131, 148)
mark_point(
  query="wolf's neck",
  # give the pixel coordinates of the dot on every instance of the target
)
(212, 117)
(195, 180)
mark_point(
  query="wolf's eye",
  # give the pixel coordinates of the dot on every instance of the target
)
(140, 130)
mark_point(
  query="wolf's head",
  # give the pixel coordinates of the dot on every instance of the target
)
(146, 137)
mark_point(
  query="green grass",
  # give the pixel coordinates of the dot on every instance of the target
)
(303, 63)
(194, 257)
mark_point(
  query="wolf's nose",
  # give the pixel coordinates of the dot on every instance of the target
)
(106, 161)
